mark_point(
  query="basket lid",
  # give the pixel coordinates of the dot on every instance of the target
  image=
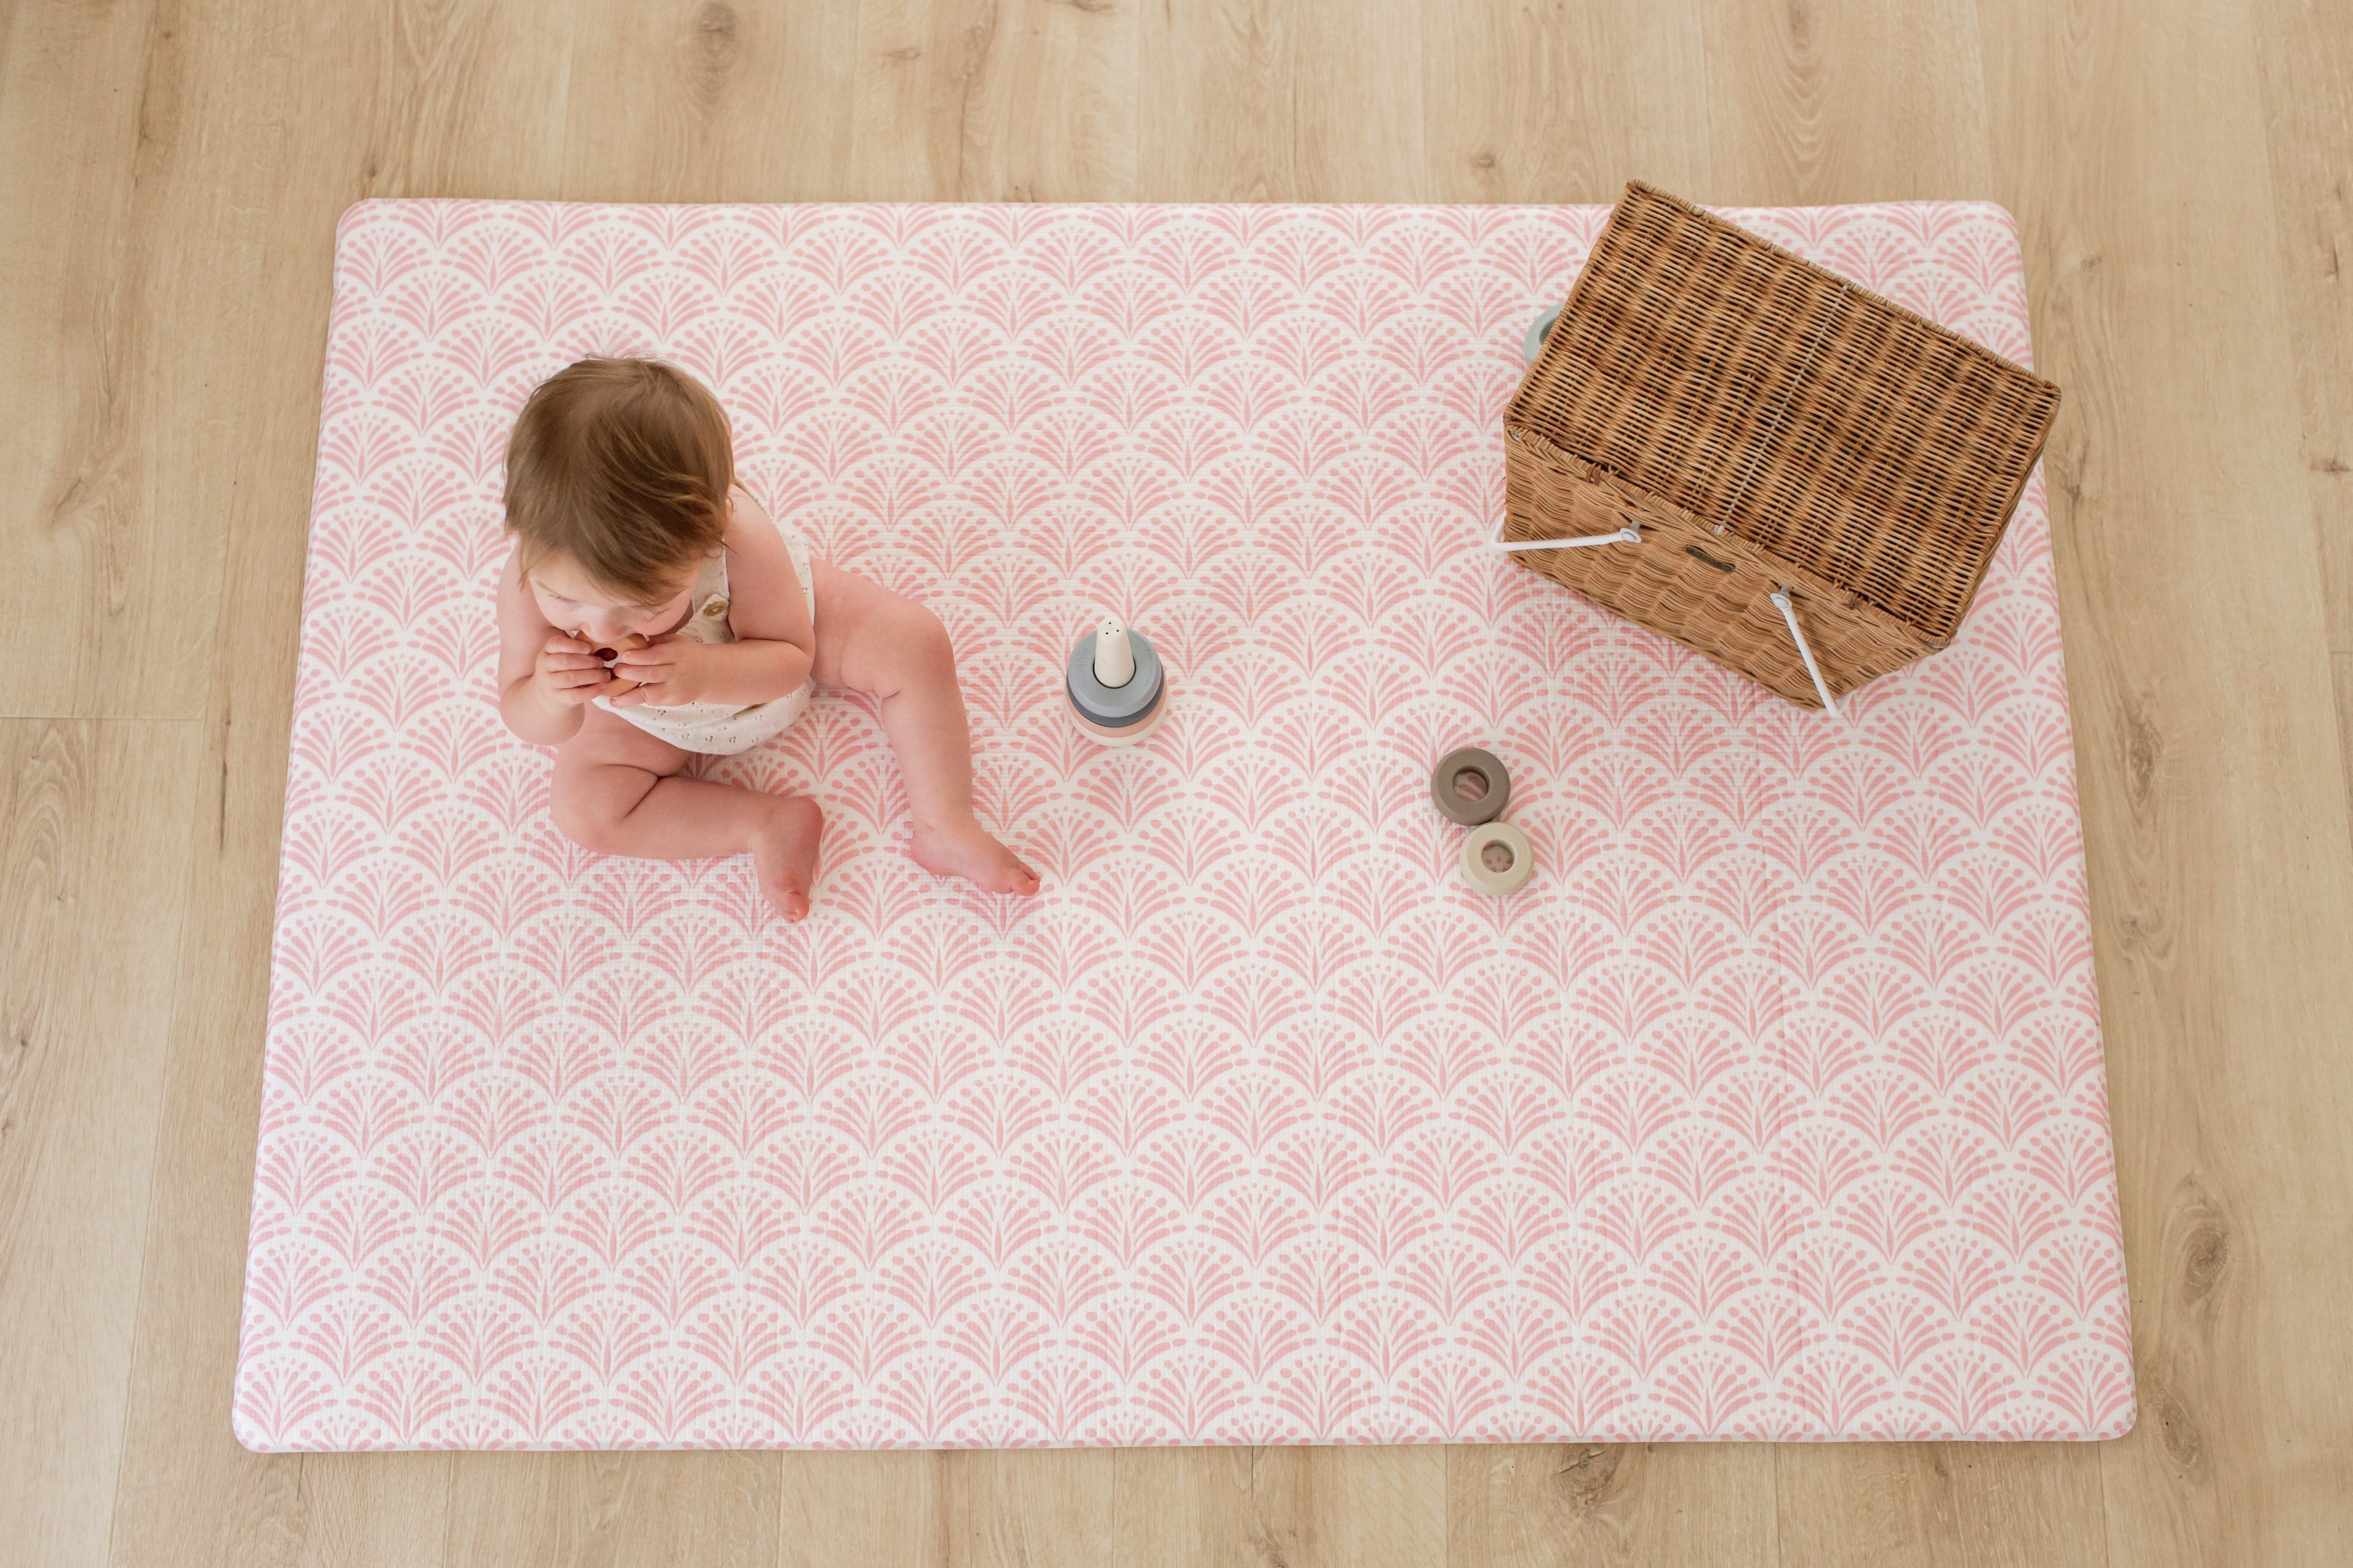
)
(1771, 398)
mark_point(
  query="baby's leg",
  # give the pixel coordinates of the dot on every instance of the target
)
(616, 792)
(871, 640)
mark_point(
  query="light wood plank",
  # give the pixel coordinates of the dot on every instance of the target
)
(695, 100)
(1988, 1505)
(93, 852)
(464, 98)
(371, 1510)
(2342, 665)
(1382, 1508)
(1260, 101)
(2212, 785)
(615, 1510)
(848, 1510)
(1026, 100)
(1188, 1506)
(2304, 55)
(1550, 102)
(1281, 1506)
(1846, 101)
(106, 574)
(1610, 1503)
(1014, 1507)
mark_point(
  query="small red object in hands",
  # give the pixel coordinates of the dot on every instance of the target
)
(620, 684)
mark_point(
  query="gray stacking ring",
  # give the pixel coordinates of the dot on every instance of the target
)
(1116, 706)
(1470, 813)
(1538, 331)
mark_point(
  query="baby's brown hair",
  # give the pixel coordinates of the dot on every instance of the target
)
(624, 465)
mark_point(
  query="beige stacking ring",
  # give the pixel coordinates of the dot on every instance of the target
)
(1497, 859)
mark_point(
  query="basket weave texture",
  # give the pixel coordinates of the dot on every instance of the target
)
(1764, 423)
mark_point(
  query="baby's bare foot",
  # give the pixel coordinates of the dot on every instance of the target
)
(966, 850)
(786, 854)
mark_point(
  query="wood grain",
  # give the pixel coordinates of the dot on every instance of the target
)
(451, 98)
(1024, 101)
(847, 1511)
(1516, 110)
(1285, 1507)
(173, 171)
(2304, 56)
(2213, 783)
(1026, 1508)
(1209, 1505)
(1983, 1504)
(625, 1510)
(1260, 101)
(696, 100)
(370, 1510)
(92, 866)
(1598, 1505)
(1845, 101)
(108, 577)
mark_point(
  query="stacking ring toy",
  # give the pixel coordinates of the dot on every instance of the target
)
(1116, 681)
(1497, 859)
(1532, 346)
(1449, 796)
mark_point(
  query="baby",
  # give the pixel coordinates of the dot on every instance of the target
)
(650, 610)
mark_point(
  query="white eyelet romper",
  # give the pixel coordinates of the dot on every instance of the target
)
(722, 729)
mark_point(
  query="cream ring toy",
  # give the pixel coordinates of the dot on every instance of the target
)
(1497, 859)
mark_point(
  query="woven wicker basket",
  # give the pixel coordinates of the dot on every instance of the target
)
(1766, 427)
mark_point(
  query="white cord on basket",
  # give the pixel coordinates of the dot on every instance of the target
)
(1788, 614)
(1628, 535)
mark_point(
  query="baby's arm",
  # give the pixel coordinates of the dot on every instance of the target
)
(544, 677)
(768, 611)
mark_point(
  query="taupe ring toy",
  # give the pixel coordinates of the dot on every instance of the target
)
(1463, 808)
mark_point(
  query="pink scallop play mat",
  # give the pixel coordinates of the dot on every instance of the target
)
(1773, 1107)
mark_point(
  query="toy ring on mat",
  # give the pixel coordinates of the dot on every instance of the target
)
(1116, 682)
(1497, 859)
(1488, 791)
(1538, 331)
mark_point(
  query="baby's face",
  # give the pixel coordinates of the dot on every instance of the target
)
(575, 603)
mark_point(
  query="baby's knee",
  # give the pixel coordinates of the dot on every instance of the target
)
(585, 817)
(920, 641)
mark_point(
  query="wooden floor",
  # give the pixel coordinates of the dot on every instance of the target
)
(173, 170)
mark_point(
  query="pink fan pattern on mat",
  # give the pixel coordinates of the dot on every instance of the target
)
(1773, 1108)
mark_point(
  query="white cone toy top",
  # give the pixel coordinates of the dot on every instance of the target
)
(1114, 659)
(1115, 681)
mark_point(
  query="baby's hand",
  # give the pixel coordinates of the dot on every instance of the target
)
(673, 671)
(567, 672)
